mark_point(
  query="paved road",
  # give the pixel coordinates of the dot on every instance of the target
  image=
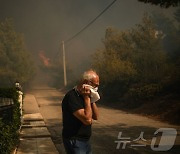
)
(106, 129)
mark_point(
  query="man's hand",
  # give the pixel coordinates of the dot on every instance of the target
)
(85, 91)
(85, 115)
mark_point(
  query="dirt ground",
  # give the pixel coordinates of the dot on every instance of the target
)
(112, 122)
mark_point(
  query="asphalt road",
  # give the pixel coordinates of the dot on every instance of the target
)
(112, 122)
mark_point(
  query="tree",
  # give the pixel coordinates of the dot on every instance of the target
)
(113, 65)
(171, 44)
(167, 27)
(132, 59)
(162, 3)
(148, 54)
(15, 60)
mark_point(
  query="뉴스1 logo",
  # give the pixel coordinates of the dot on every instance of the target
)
(166, 141)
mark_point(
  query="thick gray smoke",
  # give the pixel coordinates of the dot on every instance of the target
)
(45, 23)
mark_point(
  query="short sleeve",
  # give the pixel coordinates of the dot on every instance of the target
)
(75, 102)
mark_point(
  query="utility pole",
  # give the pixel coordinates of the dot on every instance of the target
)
(64, 64)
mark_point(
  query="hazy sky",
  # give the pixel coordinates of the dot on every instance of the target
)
(45, 23)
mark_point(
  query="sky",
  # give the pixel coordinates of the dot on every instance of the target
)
(46, 23)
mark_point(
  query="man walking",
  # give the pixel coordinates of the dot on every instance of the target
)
(79, 108)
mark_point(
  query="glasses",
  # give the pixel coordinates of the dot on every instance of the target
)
(94, 85)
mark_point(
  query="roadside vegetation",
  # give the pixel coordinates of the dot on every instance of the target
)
(15, 61)
(15, 65)
(9, 122)
(139, 67)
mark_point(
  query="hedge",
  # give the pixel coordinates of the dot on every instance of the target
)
(9, 129)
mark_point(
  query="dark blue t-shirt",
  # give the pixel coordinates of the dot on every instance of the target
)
(72, 126)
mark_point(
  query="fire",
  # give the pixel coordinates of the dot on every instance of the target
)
(45, 60)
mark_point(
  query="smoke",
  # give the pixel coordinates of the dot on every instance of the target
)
(46, 23)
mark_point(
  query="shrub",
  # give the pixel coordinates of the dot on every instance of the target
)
(145, 92)
(9, 134)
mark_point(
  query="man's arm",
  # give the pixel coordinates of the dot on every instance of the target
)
(85, 115)
(95, 112)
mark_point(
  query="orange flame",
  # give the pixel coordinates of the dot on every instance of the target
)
(44, 59)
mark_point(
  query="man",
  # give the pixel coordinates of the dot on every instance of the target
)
(78, 112)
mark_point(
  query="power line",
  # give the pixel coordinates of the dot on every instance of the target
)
(84, 28)
(68, 40)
